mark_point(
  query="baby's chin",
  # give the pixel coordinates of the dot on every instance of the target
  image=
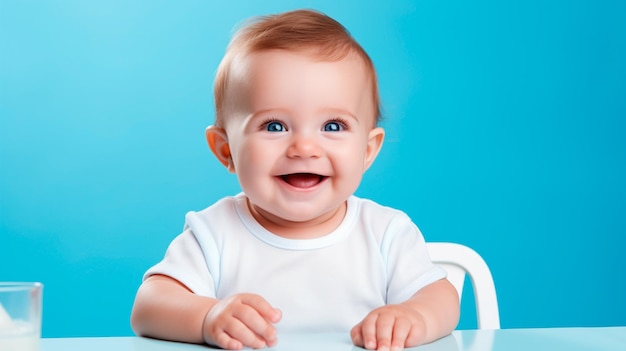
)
(300, 221)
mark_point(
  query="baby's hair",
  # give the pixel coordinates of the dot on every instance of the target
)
(299, 31)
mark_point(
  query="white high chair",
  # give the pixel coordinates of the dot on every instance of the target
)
(459, 260)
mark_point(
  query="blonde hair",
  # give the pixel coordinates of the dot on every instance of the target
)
(300, 30)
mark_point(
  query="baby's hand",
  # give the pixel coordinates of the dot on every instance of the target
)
(241, 320)
(391, 327)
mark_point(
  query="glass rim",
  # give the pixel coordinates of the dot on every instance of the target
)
(16, 286)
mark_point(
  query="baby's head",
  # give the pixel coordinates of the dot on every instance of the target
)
(300, 31)
(296, 119)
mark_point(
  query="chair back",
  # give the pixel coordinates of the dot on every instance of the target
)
(459, 260)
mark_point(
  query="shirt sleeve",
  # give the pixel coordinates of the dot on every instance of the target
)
(408, 264)
(184, 261)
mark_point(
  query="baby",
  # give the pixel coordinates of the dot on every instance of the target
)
(297, 109)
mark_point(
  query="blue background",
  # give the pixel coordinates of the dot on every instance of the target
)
(505, 131)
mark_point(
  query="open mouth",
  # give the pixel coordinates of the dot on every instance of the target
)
(303, 180)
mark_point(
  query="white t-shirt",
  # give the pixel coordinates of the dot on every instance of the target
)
(376, 256)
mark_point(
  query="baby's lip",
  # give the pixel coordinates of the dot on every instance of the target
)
(303, 180)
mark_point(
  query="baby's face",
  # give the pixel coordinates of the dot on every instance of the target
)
(301, 133)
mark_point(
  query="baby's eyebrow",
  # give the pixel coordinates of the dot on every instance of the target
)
(270, 111)
(340, 112)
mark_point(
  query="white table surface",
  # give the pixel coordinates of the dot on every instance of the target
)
(553, 339)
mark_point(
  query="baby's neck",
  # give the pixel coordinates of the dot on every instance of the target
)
(311, 229)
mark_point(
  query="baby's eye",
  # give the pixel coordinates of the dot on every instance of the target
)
(274, 126)
(334, 126)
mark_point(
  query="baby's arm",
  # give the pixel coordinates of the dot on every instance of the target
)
(165, 309)
(433, 312)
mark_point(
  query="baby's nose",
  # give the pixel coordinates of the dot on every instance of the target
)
(304, 146)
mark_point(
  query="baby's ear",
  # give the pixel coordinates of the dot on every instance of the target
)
(218, 142)
(374, 144)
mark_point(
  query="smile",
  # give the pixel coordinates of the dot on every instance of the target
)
(303, 180)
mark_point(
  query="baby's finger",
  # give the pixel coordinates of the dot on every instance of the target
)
(256, 324)
(263, 307)
(225, 341)
(239, 332)
(356, 334)
(416, 336)
(384, 331)
(368, 331)
(401, 330)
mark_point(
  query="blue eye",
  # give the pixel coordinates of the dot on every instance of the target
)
(333, 126)
(274, 127)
